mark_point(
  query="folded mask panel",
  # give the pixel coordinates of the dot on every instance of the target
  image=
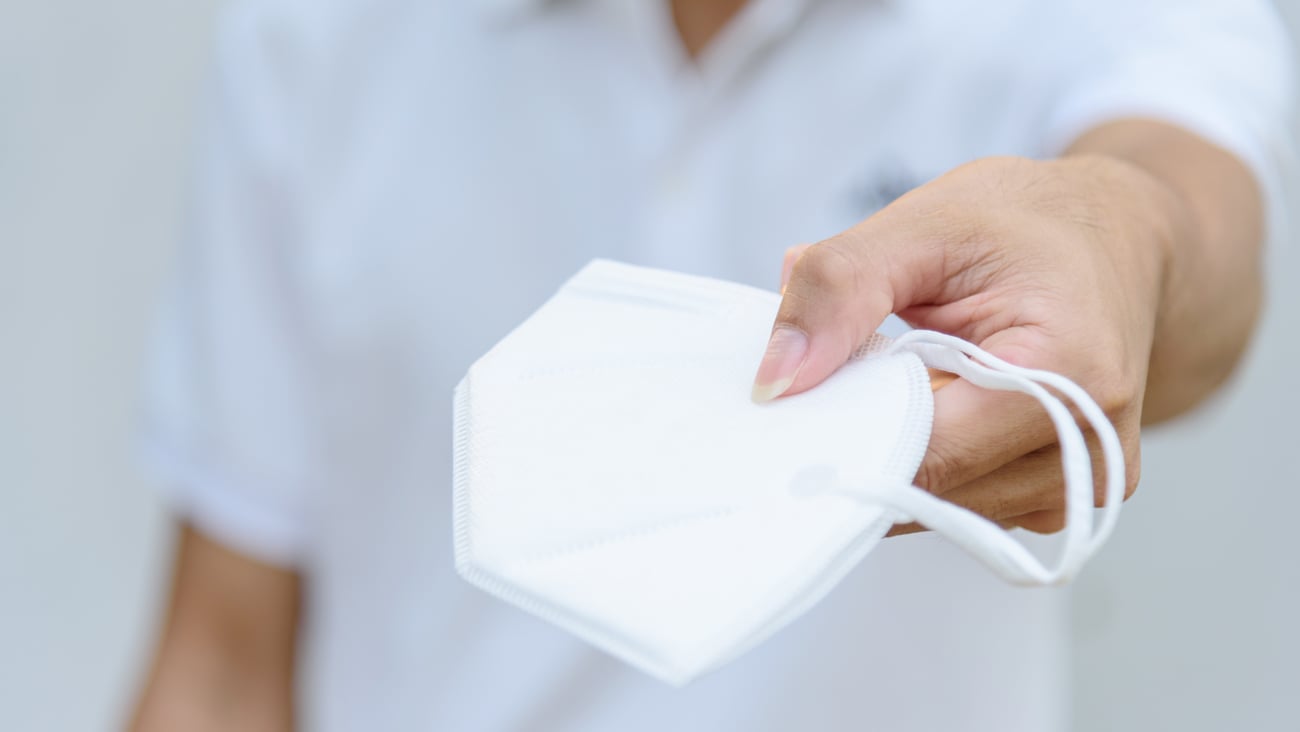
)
(614, 477)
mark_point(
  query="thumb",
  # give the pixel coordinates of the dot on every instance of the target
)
(838, 293)
(792, 255)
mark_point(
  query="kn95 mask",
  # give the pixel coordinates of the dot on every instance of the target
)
(614, 477)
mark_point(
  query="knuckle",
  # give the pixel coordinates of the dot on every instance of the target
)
(1114, 394)
(795, 303)
(826, 267)
(937, 469)
(1132, 470)
(1114, 387)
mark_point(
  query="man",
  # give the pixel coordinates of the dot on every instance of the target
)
(388, 187)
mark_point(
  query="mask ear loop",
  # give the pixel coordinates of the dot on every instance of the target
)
(981, 537)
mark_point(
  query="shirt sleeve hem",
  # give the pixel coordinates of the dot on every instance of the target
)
(222, 509)
(1265, 158)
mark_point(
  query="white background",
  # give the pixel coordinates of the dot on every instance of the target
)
(1189, 621)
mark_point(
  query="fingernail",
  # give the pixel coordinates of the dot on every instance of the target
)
(785, 355)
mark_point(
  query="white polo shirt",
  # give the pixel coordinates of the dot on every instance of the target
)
(386, 187)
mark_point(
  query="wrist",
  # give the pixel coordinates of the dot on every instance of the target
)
(1148, 218)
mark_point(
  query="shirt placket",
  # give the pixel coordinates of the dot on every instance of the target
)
(684, 166)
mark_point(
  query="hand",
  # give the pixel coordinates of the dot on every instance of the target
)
(1055, 265)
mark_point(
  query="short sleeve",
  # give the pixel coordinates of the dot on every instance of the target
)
(1223, 69)
(227, 407)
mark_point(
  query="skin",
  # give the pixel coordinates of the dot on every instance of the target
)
(699, 22)
(227, 651)
(1131, 265)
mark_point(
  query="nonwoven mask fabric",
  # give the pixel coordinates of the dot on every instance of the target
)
(613, 476)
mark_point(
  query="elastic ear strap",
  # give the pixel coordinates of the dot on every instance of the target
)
(980, 537)
(976, 534)
(1111, 448)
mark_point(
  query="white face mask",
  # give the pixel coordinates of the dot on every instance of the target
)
(614, 477)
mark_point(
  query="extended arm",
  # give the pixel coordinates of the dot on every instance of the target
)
(1130, 265)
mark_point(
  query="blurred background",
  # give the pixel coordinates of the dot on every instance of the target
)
(1187, 621)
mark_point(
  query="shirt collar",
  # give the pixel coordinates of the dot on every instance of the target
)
(517, 9)
(506, 10)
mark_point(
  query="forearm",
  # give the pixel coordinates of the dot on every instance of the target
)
(1211, 290)
(198, 689)
(227, 653)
